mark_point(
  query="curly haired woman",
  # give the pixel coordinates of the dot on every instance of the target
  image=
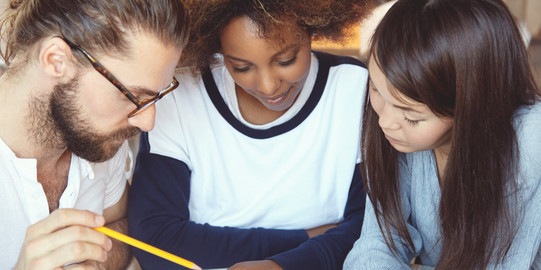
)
(254, 164)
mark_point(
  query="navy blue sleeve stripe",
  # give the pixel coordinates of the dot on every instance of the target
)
(158, 214)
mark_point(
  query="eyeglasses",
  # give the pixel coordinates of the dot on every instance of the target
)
(141, 105)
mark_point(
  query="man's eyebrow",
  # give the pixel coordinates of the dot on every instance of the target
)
(142, 91)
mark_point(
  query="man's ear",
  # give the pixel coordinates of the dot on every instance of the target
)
(56, 57)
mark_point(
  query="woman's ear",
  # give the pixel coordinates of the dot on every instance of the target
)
(56, 57)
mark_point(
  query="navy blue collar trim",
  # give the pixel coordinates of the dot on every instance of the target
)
(325, 62)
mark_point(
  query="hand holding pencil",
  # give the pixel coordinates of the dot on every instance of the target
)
(148, 248)
(49, 243)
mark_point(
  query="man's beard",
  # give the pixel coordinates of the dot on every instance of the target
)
(56, 123)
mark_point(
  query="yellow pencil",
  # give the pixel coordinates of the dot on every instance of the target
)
(148, 248)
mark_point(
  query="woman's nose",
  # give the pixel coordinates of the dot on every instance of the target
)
(388, 119)
(268, 83)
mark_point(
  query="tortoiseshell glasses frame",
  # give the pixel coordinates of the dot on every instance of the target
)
(140, 105)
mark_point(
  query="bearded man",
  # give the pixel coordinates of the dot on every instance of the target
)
(65, 118)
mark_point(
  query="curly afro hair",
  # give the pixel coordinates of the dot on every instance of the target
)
(321, 19)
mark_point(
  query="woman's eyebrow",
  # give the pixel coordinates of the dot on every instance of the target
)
(236, 58)
(407, 109)
(282, 51)
(291, 47)
(404, 108)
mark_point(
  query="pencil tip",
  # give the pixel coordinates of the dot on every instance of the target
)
(195, 267)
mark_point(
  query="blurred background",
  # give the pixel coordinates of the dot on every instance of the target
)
(527, 12)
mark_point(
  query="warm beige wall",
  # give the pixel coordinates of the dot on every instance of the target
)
(358, 43)
(529, 11)
(349, 47)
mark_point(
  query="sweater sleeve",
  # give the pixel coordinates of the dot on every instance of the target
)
(158, 214)
(329, 250)
(371, 251)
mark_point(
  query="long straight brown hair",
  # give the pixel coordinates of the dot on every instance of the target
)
(464, 59)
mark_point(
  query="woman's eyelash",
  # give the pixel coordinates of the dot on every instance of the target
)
(244, 69)
(288, 62)
(281, 63)
(411, 122)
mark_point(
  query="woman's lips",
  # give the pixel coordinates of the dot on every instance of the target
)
(276, 100)
(391, 139)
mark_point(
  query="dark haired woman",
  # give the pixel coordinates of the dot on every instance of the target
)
(453, 152)
(254, 160)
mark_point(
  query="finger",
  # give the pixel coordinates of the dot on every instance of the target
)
(39, 241)
(72, 252)
(62, 218)
(86, 265)
(65, 236)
